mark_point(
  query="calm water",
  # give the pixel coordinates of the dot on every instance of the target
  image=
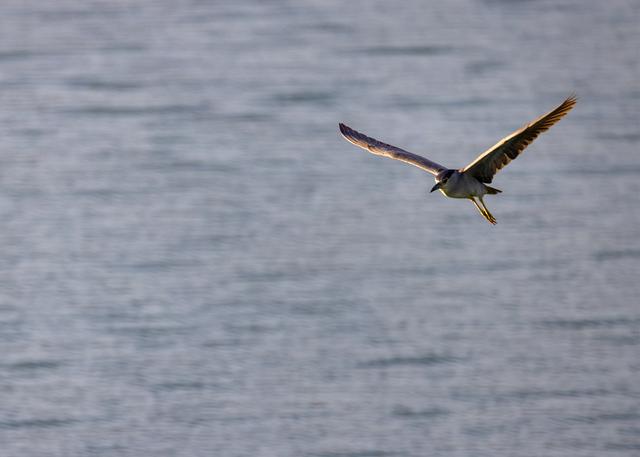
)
(194, 263)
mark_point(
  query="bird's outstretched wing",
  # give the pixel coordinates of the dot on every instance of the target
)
(488, 163)
(382, 149)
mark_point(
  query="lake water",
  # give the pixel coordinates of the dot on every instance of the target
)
(194, 263)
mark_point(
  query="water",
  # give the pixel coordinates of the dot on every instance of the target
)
(195, 263)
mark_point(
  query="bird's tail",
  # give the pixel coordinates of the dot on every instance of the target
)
(492, 190)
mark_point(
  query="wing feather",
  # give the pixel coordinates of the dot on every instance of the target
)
(383, 149)
(491, 161)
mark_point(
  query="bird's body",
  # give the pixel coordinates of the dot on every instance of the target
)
(460, 185)
(471, 181)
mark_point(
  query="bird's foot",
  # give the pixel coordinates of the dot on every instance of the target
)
(488, 216)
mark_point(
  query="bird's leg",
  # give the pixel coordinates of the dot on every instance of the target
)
(473, 200)
(482, 211)
(490, 217)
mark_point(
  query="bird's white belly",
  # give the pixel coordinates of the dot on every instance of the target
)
(454, 194)
(463, 187)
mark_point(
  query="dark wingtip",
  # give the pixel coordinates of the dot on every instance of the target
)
(343, 128)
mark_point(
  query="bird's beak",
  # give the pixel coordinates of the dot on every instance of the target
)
(436, 187)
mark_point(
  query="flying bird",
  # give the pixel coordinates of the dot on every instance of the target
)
(471, 181)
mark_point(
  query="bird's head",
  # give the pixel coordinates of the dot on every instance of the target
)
(442, 178)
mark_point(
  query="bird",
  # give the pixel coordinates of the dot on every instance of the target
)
(471, 181)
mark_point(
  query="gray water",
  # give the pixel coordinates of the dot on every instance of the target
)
(194, 263)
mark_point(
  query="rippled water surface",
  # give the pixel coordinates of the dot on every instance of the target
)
(194, 263)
